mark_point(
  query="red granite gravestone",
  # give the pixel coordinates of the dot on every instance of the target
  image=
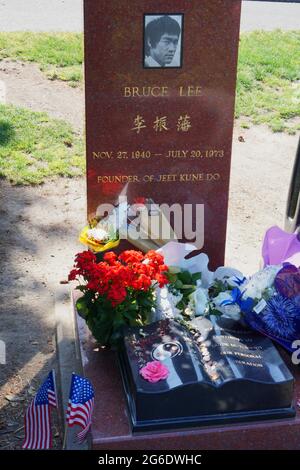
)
(160, 87)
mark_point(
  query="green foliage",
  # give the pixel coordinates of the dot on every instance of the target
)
(106, 323)
(268, 87)
(34, 146)
(217, 287)
(185, 283)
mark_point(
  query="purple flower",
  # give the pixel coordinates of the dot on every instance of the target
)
(287, 281)
(281, 317)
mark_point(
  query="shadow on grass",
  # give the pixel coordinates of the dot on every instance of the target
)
(7, 132)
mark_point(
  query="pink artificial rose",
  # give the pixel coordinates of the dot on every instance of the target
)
(154, 371)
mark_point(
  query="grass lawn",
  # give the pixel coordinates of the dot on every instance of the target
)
(34, 147)
(268, 88)
(59, 55)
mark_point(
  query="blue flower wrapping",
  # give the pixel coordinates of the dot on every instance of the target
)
(279, 320)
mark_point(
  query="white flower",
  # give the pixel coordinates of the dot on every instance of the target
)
(222, 297)
(116, 220)
(199, 300)
(231, 311)
(259, 282)
(166, 302)
(98, 234)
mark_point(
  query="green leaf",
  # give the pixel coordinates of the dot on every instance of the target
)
(133, 307)
(178, 284)
(196, 277)
(172, 277)
(81, 288)
(82, 307)
(185, 277)
(215, 312)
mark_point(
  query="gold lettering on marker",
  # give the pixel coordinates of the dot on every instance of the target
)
(118, 179)
(190, 91)
(154, 91)
(159, 91)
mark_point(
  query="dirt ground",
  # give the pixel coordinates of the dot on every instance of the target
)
(39, 228)
(24, 85)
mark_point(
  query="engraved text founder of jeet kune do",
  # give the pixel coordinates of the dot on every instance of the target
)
(161, 41)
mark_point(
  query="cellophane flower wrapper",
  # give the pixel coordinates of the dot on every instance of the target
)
(280, 321)
(200, 303)
(279, 318)
(280, 247)
(287, 282)
(275, 288)
(175, 254)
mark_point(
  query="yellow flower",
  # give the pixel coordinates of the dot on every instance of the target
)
(95, 245)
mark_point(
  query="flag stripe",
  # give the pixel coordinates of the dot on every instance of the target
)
(83, 433)
(49, 437)
(80, 405)
(81, 412)
(37, 419)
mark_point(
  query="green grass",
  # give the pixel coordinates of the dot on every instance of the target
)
(59, 55)
(34, 147)
(268, 87)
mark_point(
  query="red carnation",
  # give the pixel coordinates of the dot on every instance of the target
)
(110, 257)
(116, 285)
(72, 275)
(142, 283)
(85, 257)
(117, 295)
(162, 280)
(131, 256)
(163, 268)
(139, 200)
(154, 258)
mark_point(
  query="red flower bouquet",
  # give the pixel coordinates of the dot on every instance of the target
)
(117, 291)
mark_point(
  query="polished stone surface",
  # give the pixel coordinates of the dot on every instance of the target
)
(112, 430)
(172, 163)
(219, 372)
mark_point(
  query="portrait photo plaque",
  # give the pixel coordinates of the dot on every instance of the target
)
(163, 40)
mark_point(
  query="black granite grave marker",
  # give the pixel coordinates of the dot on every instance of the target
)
(219, 372)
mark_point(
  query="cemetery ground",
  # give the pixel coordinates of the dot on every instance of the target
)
(40, 222)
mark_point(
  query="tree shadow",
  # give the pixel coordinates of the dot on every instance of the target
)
(7, 132)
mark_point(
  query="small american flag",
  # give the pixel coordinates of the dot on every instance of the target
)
(37, 417)
(81, 405)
